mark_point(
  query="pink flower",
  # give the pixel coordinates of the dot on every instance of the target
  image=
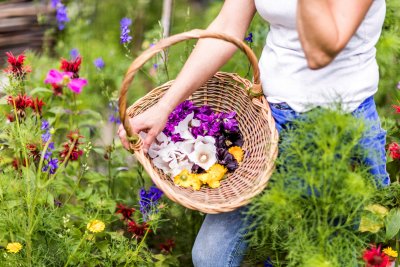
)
(55, 77)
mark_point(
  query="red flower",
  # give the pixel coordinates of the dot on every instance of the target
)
(21, 103)
(125, 211)
(57, 89)
(37, 105)
(167, 246)
(394, 150)
(397, 108)
(71, 66)
(34, 152)
(16, 65)
(138, 230)
(375, 258)
(73, 137)
(10, 117)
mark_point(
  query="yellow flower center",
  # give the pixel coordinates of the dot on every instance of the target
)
(184, 177)
(203, 158)
(66, 80)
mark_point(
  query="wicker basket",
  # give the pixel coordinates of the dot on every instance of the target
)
(223, 92)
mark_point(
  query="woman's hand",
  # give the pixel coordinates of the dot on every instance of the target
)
(152, 121)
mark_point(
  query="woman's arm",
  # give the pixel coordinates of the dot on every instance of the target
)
(205, 60)
(326, 26)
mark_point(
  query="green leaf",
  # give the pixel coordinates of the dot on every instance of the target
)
(392, 223)
(40, 90)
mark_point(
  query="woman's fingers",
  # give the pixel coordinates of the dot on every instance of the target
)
(151, 135)
(122, 136)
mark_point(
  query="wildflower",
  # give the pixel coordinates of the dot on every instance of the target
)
(114, 118)
(149, 199)
(249, 38)
(10, 117)
(138, 230)
(237, 153)
(76, 152)
(45, 125)
(74, 53)
(375, 258)
(167, 246)
(73, 65)
(99, 63)
(398, 85)
(397, 108)
(125, 211)
(96, 226)
(65, 79)
(61, 13)
(14, 247)
(21, 103)
(37, 105)
(268, 263)
(390, 252)
(124, 25)
(34, 151)
(16, 65)
(394, 150)
(51, 166)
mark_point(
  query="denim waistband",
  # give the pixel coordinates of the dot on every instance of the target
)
(284, 106)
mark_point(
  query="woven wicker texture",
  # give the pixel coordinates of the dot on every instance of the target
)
(223, 92)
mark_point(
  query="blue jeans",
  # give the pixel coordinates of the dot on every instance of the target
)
(220, 241)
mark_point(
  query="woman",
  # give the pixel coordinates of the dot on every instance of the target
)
(317, 53)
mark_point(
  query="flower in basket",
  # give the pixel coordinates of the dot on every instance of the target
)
(198, 146)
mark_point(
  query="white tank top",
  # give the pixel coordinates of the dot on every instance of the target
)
(349, 79)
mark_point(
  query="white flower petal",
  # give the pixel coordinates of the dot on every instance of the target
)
(183, 127)
(208, 151)
(195, 123)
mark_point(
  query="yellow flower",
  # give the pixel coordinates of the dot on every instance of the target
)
(96, 226)
(390, 252)
(237, 152)
(213, 176)
(187, 179)
(183, 179)
(377, 209)
(14, 247)
(368, 224)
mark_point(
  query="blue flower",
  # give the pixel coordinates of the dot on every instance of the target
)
(74, 53)
(99, 63)
(55, 3)
(149, 199)
(61, 14)
(249, 38)
(268, 263)
(125, 37)
(45, 125)
(51, 166)
(46, 137)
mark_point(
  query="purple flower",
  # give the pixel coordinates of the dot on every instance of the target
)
(99, 63)
(249, 38)
(124, 25)
(229, 123)
(149, 199)
(74, 53)
(55, 3)
(46, 137)
(114, 119)
(49, 151)
(225, 158)
(398, 85)
(61, 16)
(155, 66)
(45, 125)
(51, 166)
(197, 169)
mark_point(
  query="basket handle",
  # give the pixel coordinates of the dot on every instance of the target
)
(255, 91)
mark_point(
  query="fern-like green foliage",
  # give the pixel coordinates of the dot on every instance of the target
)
(309, 215)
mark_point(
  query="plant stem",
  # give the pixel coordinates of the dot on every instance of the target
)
(398, 250)
(137, 250)
(28, 188)
(75, 250)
